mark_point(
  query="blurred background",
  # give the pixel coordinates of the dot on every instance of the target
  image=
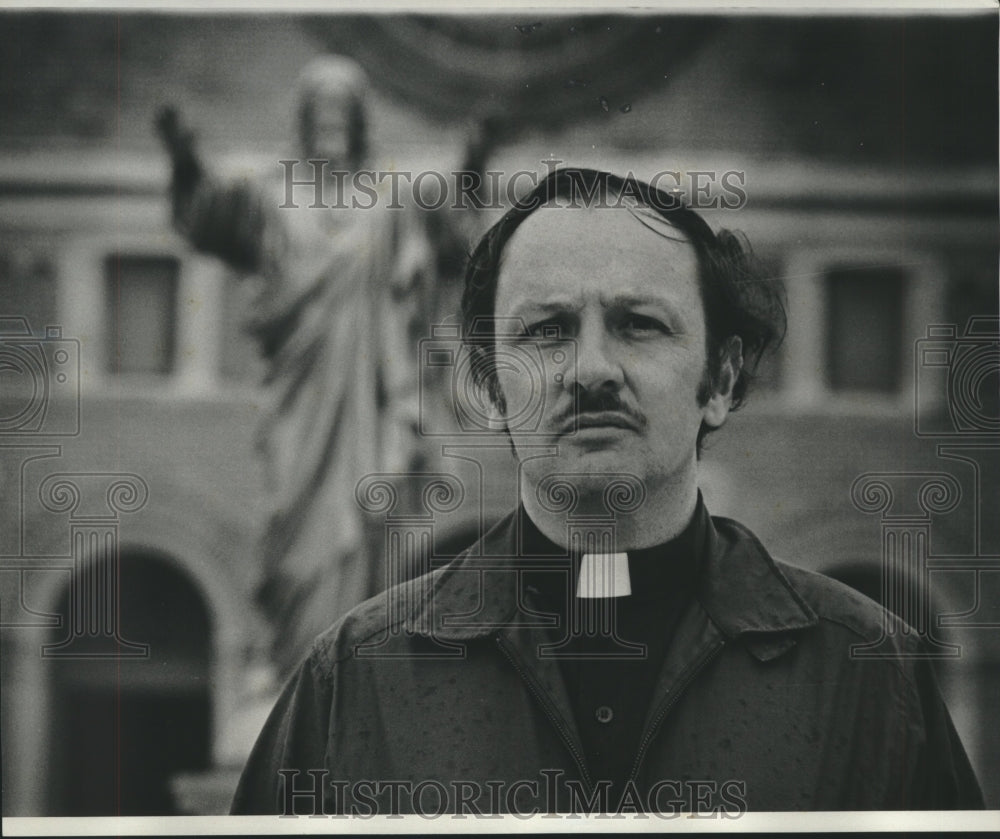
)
(866, 149)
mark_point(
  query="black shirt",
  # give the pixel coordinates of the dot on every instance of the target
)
(612, 659)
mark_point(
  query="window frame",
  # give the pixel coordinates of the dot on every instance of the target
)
(806, 386)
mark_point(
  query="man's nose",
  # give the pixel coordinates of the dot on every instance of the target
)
(597, 366)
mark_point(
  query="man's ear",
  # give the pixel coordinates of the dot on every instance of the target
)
(721, 401)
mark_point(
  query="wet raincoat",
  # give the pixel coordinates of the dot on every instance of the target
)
(434, 698)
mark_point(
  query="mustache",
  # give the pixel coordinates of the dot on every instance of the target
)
(595, 403)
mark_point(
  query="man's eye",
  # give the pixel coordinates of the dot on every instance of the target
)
(552, 329)
(643, 323)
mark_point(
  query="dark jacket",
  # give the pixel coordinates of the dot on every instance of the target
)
(760, 705)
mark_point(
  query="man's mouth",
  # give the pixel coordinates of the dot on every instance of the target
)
(599, 420)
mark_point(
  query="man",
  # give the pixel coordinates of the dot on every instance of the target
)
(333, 291)
(637, 655)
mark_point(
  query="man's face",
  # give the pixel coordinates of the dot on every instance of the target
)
(626, 297)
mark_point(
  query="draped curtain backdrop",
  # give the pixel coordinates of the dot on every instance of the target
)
(535, 71)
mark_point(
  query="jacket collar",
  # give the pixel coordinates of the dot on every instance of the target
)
(741, 589)
(746, 595)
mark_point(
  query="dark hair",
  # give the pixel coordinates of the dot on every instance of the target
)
(738, 300)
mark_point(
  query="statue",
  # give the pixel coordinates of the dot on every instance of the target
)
(338, 298)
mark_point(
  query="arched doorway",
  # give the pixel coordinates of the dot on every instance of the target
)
(120, 729)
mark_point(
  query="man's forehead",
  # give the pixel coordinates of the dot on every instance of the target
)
(620, 249)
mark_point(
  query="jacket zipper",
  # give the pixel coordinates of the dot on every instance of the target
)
(665, 708)
(543, 700)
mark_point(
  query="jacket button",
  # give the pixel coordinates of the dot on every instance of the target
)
(604, 714)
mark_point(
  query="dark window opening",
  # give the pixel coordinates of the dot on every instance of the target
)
(141, 294)
(865, 328)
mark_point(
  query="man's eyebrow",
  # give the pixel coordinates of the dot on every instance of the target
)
(545, 307)
(624, 301)
(619, 301)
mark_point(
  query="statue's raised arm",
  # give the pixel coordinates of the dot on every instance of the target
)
(226, 220)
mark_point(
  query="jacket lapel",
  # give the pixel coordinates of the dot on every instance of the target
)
(695, 642)
(478, 597)
(544, 678)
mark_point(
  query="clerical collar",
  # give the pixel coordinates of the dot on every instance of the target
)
(651, 572)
